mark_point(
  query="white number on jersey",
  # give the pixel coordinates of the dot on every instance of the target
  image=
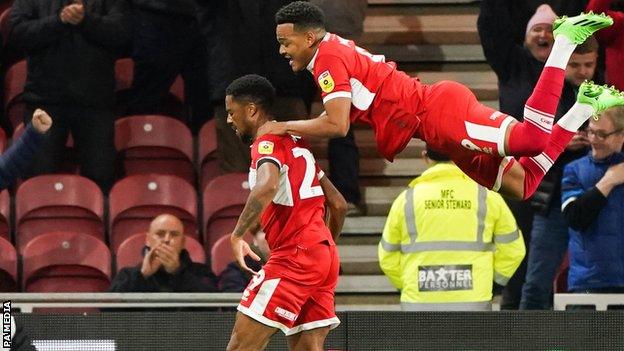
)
(306, 190)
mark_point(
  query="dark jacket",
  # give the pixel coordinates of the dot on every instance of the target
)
(234, 279)
(185, 8)
(517, 70)
(15, 161)
(71, 64)
(596, 235)
(241, 40)
(191, 277)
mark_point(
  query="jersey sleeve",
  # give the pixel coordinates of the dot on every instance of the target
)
(268, 147)
(332, 76)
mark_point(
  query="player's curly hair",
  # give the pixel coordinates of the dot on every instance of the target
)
(253, 88)
(302, 14)
(436, 155)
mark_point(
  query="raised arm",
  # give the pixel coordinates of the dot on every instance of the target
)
(497, 38)
(609, 34)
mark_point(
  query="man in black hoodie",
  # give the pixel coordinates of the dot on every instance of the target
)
(71, 47)
(166, 266)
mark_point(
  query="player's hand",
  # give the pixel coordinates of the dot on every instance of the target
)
(579, 141)
(150, 264)
(41, 121)
(170, 259)
(240, 249)
(272, 127)
(73, 14)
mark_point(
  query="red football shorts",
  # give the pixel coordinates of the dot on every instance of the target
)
(294, 291)
(472, 134)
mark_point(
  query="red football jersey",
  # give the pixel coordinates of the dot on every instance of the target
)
(296, 214)
(387, 99)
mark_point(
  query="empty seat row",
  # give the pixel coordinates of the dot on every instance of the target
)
(58, 202)
(67, 261)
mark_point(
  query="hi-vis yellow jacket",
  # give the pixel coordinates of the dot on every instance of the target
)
(446, 240)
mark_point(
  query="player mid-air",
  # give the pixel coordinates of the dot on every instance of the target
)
(294, 291)
(358, 86)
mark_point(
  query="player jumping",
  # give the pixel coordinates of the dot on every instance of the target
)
(359, 86)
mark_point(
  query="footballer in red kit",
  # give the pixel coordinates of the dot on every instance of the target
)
(294, 290)
(359, 86)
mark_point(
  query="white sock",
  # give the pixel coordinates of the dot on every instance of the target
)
(576, 116)
(561, 51)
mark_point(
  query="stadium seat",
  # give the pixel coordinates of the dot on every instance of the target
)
(5, 25)
(124, 73)
(3, 141)
(129, 252)
(223, 199)
(66, 262)
(155, 144)
(221, 253)
(8, 266)
(135, 200)
(5, 215)
(14, 81)
(207, 156)
(58, 202)
(560, 283)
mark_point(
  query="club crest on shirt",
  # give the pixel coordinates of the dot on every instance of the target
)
(265, 147)
(326, 82)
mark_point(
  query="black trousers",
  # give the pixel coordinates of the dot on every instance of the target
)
(344, 166)
(93, 131)
(165, 46)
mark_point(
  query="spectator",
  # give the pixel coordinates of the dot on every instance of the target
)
(241, 40)
(345, 18)
(613, 41)
(592, 197)
(166, 266)
(518, 68)
(549, 238)
(168, 42)
(233, 278)
(71, 51)
(448, 265)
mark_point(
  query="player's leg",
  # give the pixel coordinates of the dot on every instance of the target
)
(309, 340)
(317, 316)
(249, 334)
(531, 137)
(521, 178)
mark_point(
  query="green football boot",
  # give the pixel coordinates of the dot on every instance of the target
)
(579, 28)
(600, 97)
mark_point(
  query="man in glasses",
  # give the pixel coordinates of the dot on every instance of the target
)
(593, 203)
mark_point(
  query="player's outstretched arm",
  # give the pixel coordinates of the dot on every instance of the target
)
(16, 160)
(267, 182)
(337, 206)
(333, 123)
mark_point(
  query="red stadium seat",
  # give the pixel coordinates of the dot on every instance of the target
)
(66, 262)
(5, 25)
(3, 141)
(208, 159)
(14, 81)
(8, 266)
(58, 202)
(134, 202)
(155, 144)
(560, 283)
(129, 252)
(5, 215)
(124, 73)
(223, 199)
(221, 253)
(10, 52)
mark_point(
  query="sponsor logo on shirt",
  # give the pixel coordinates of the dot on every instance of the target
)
(445, 278)
(285, 314)
(265, 147)
(326, 82)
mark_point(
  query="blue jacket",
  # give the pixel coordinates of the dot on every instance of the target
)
(16, 160)
(596, 253)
